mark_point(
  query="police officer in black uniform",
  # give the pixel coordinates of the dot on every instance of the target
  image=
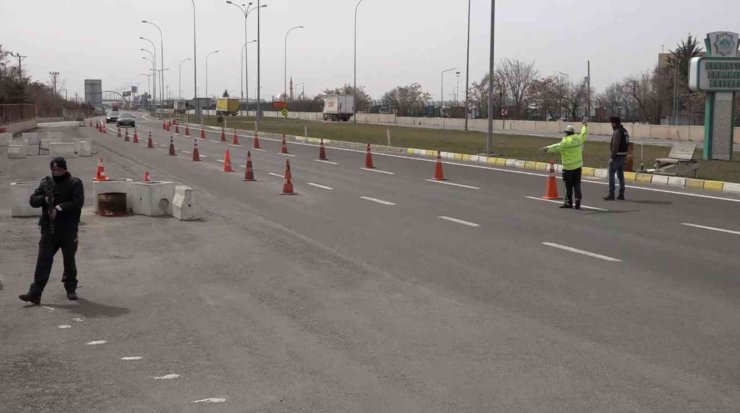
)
(61, 197)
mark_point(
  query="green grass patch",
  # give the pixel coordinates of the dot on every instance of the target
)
(596, 154)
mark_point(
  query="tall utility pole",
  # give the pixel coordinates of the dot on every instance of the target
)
(467, 71)
(285, 73)
(489, 135)
(588, 73)
(54, 81)
(258, 114)
(354, 90)
(20, 67)
(195, 69)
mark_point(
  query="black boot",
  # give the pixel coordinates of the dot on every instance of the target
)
(621, 197)
(566, 205)
(30, 298)
(609, 197)
(578, 204)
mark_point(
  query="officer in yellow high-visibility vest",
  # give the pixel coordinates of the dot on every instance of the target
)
(571, 151)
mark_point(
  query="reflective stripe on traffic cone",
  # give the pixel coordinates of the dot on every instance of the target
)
(438, 173)
(227, 162)
(322, 150)
(284, 146)
(369, 159)
(249, 174)
(150, 142)
(172, 147)
(196, 152)
(287, 184)
(235, 141)
(256, 141)
(551, 188)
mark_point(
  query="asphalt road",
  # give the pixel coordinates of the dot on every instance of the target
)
(375, 291)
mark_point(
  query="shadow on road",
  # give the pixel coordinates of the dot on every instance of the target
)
(90, 309)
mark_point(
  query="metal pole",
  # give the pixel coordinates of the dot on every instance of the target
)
(354, 109)
(588, 71)
(285, 73)
(179, 92)
(467, 71)
(489, 136)
(195, 67)
(161, 66)
(441, 92)
(257, 115)
(154, 57)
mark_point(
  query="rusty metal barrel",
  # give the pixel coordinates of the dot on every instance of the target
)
(112, 204)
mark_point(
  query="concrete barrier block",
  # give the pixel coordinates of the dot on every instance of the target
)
(731, 187)
(677, 181)
(114, 185)
(643, 178)
(153, 199)
(714, 186)
(5, 139)
(660, 180)
(16, 151)
(62, 149)
(694, 183)
(83, 148)
(601, 173)
(30, 148)
(31, 137)
(20, 194)
(184, 206)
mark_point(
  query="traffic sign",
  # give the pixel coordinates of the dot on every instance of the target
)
(285, 112)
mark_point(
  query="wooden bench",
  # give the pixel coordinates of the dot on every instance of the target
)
(680, 161)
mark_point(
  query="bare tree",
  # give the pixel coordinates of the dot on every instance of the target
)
(517, 78)
(408, 100)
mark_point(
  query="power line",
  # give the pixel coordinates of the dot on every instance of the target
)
(54, 81)
(20, 67)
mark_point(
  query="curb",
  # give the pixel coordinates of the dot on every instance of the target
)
(599, 173)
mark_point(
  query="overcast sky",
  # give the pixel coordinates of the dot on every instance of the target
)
(399, 41)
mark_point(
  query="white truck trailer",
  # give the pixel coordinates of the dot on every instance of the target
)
(339, 107)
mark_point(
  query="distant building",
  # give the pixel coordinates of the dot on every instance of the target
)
(94, 92)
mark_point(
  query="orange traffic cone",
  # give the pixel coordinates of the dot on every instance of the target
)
(227, 162)
(187, 130)
(172, 147)
(119, 132)
(164, 125)
(322, 150)
(104, 128)
(174, 122)
(235, 141)
(97, 126)
(202, 133)
(551, 188)
(369, 159)
(100, 171)
(126, 139)
(287, 184)
(136, 137)
(223, 135)
(150, 142)
(147, 177)
(256, 142)
(438, 173)
(249, 174)
(196, 153)
(284, 146)
(177, 129)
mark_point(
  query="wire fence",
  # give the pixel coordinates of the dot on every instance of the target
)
(12, 113)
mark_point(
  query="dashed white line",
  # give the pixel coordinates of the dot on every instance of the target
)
(286, 154)
(378, 171)
(321, 186)
(274, 174)
(96, 342)
(452, 183)
(131, 358)
(329, 162)
(49, 308)
(210, 400)
(167, 377)
(63, 326)
(235, 146)
(211, 140)
(380, 201)
(79, 320)
(186, 151)
(459, 221)
(560, 202)
(711, 228)
(582, 252)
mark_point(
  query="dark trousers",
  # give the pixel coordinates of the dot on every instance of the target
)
(572, 179)
(616, 167)
(48, 247)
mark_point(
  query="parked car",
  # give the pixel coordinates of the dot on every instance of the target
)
(111, 116)
(126, 120)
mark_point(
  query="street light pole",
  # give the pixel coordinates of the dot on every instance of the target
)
(148, 82)
(442, 90)
(258, 113)
(195, 68)
(210, 53)
(179, 79)
(161, 63)
(245, 9)
(467, 71)
(489, 135)
(354, 90)
(154, 75)
(154, 59)
(285, 73)
(244, 51)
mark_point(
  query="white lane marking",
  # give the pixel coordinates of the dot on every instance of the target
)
(64, 326)
(167, 377)
(164, 146)
(203, 156)
(582, 252)
(186, 151)
(329, 162)
(711, 228)
(380, 201)
(210, 400)
(131, 358)
(79, 320)
(452, 183)
(96, 342)
(321, 186)
(49, 308)
(378, 171)
(459, 221)
(257, 149)
(221, 160)
(286, 154)
(211, 140)
(274, 174)
(235, 146)
(668, 192)
(560, 202)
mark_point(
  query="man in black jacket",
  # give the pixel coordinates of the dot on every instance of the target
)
(620, 141)
(61, 197)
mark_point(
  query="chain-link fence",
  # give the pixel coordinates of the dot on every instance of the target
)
(16, 113)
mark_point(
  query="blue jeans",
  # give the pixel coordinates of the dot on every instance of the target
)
(616, 167)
